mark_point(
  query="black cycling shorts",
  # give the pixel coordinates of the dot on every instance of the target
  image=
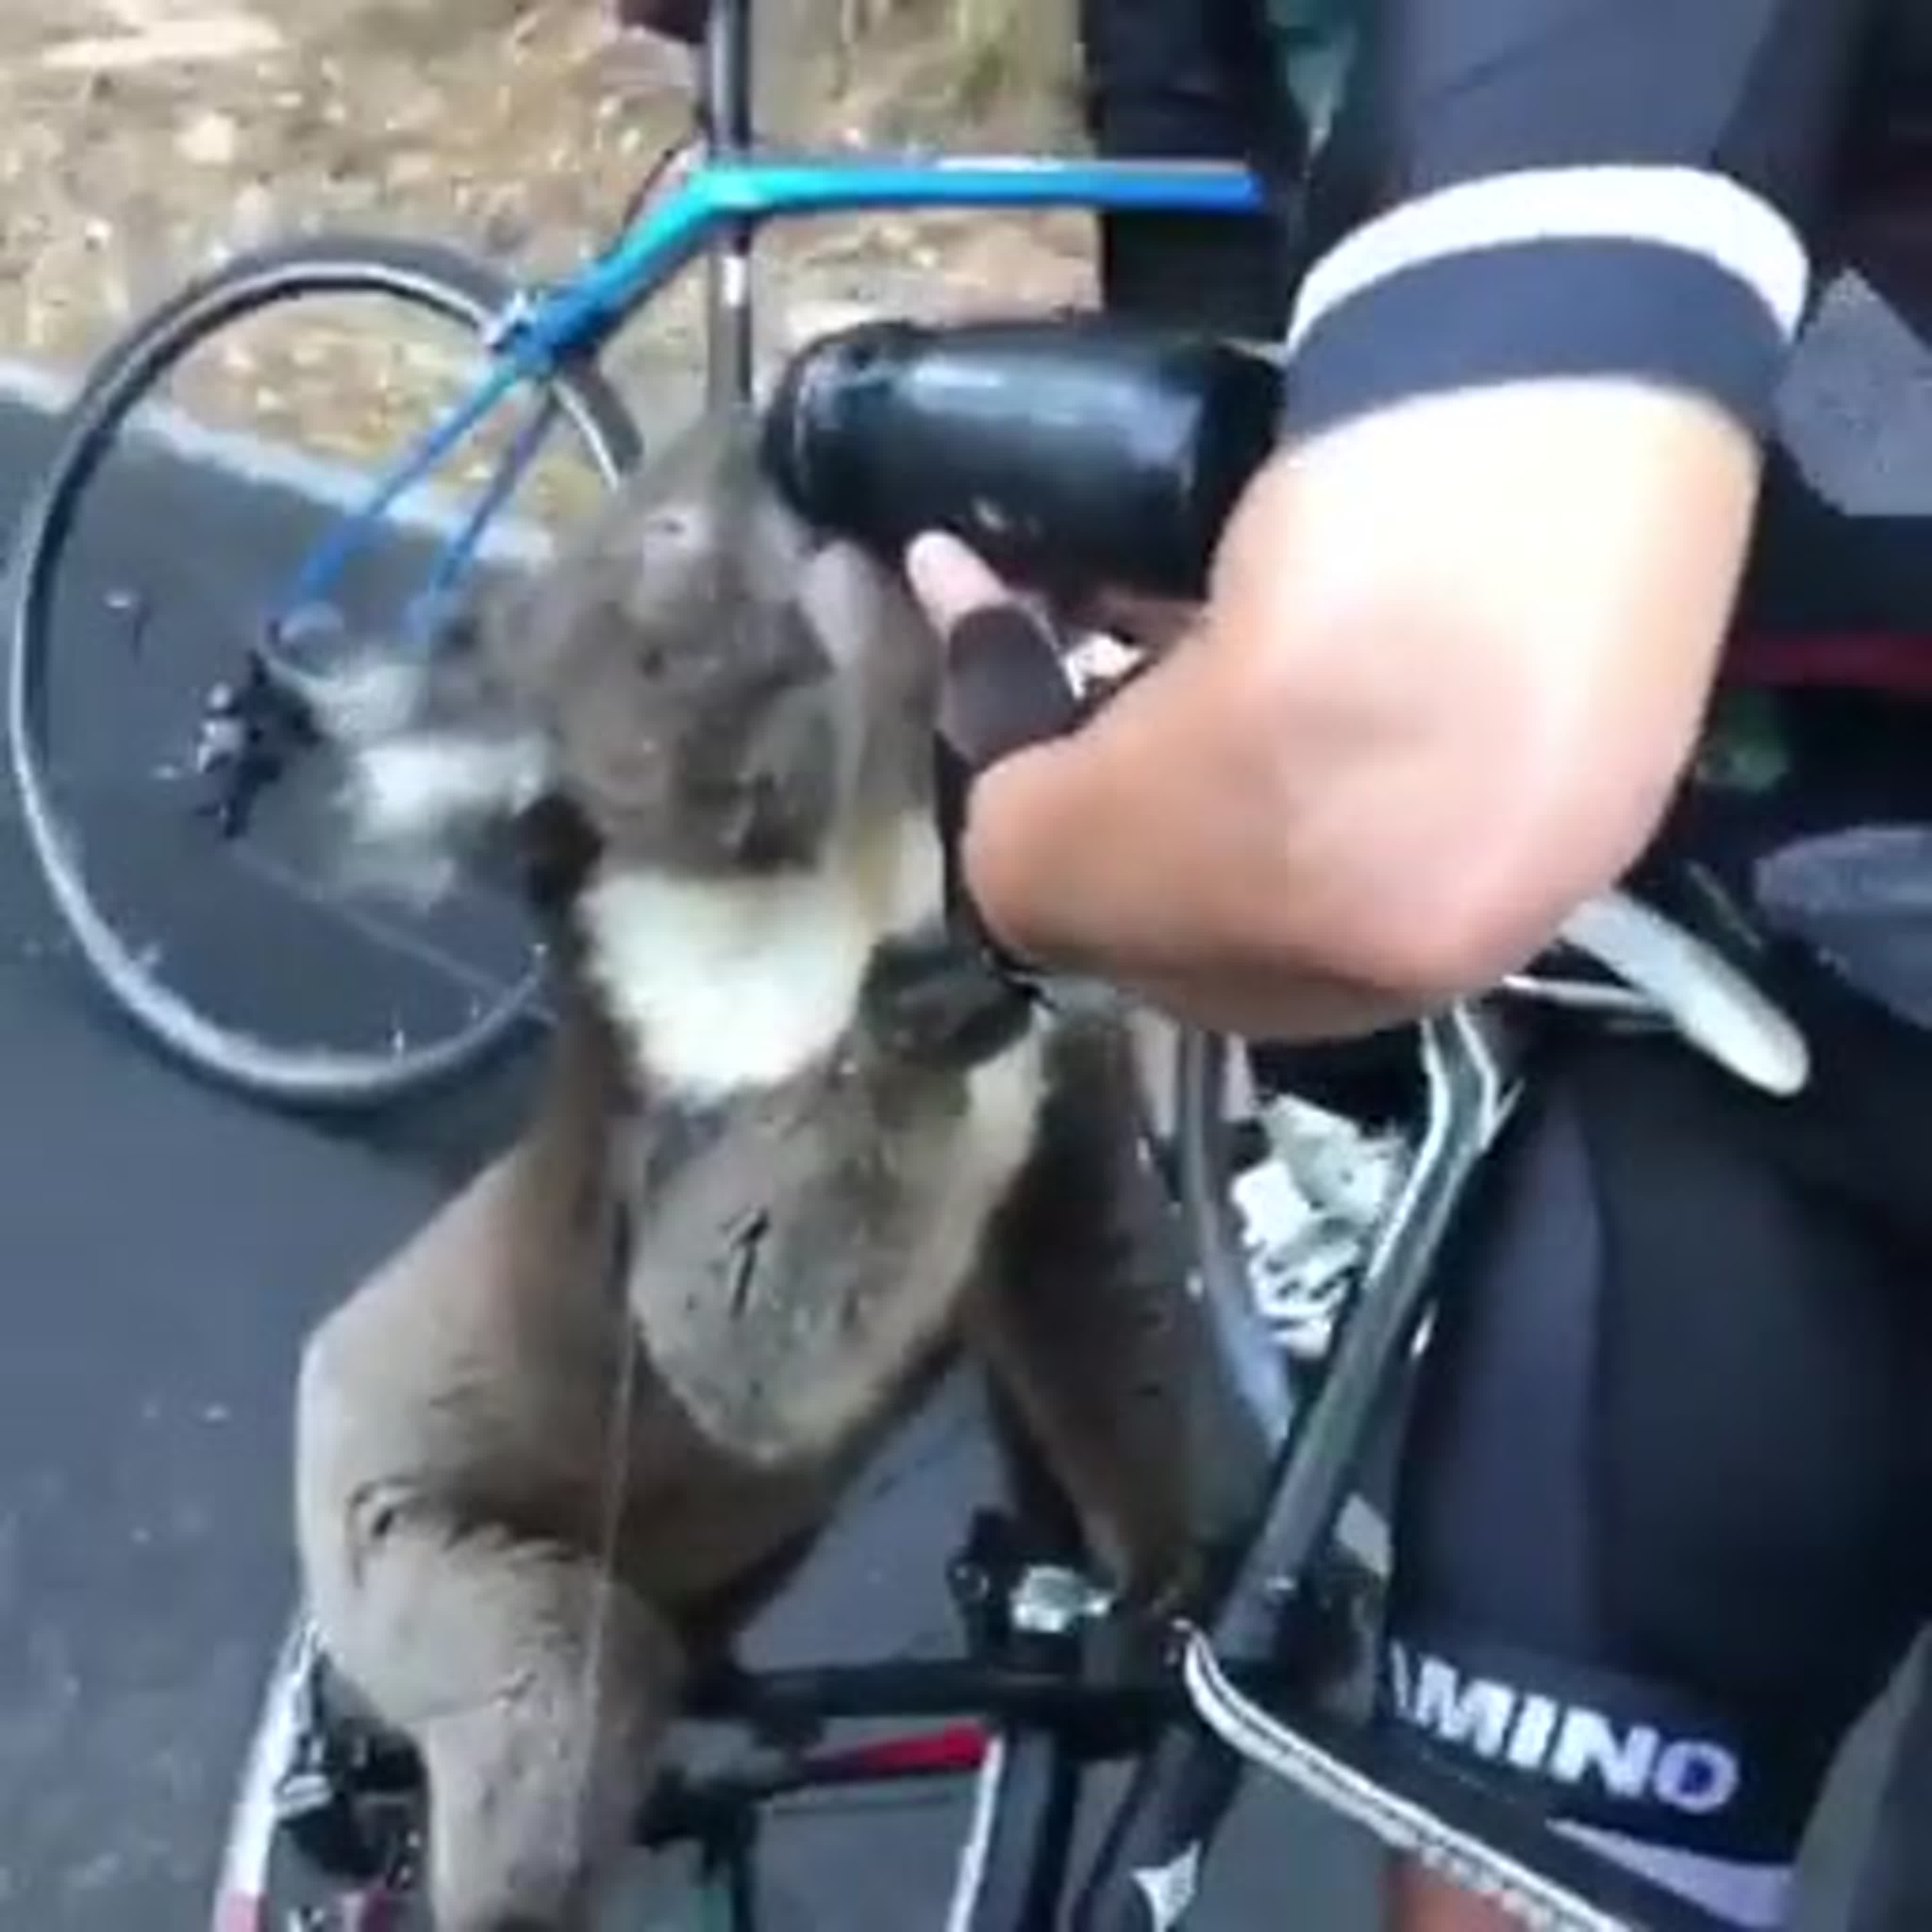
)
(1660, 1529)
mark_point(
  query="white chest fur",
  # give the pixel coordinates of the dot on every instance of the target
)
(822, 1335)
(726, 987)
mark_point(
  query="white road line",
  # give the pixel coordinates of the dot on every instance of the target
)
(258, 463)
(177, 43)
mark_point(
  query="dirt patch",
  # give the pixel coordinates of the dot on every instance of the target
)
(145, 139)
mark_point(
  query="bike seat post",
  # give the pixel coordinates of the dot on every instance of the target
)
(727, 90)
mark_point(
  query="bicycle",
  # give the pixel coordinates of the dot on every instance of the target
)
(1055, 1680)
(542, 346)
(1261, 1666)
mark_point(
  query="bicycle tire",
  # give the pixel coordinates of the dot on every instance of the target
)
(428, 276)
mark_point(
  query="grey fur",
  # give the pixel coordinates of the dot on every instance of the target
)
(721, 1305)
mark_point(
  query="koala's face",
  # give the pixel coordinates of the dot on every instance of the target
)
(715, 689)
(692, 712)
(729, 691)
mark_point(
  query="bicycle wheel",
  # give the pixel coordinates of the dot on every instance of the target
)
(159, 518)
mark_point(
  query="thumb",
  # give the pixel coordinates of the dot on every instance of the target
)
(1004, 684)
(950, 581)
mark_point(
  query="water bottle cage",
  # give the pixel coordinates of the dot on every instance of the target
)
(1005, 688)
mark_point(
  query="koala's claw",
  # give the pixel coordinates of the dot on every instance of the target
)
(932, 1001)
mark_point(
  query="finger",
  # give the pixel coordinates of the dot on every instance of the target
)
(950, 580)
(1005, 685)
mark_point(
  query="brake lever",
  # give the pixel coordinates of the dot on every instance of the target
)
(1693, 985)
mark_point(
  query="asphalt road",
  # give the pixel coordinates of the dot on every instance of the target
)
(161, 1249)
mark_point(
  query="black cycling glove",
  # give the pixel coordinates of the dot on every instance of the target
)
(1006, 687)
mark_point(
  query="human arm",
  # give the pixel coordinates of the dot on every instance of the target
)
(1461, 630)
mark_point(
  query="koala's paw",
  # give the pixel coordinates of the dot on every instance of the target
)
(930, 1000)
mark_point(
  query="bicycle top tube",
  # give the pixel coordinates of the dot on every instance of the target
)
(773, 185)
(730, 191)
(776, 186)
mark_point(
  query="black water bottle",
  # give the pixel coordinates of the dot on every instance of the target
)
(1071, 452)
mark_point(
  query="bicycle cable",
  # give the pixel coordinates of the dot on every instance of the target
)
(647, 183)
(612, 1493)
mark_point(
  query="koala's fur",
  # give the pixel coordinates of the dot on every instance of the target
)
(791, 1146)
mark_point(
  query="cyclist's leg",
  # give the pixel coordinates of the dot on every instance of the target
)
(1654, 1546)
(1181, 79)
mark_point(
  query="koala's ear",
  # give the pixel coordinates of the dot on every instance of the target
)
(438, 752)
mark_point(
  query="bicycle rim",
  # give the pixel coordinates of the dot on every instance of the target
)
(441, 282)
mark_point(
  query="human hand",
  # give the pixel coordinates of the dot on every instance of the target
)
(1003, 687)
(951, 580)
(1114, 632)
(1005, 683)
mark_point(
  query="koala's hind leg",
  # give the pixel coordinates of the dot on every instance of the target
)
(536, 1689)
(1085, 1322)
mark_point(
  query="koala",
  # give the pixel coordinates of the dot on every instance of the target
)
(794, 1148)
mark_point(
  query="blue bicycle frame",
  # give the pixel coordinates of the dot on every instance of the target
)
(718, 210)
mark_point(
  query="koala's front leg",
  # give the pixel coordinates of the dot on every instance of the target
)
(931, 1000)
(1085, 1320)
